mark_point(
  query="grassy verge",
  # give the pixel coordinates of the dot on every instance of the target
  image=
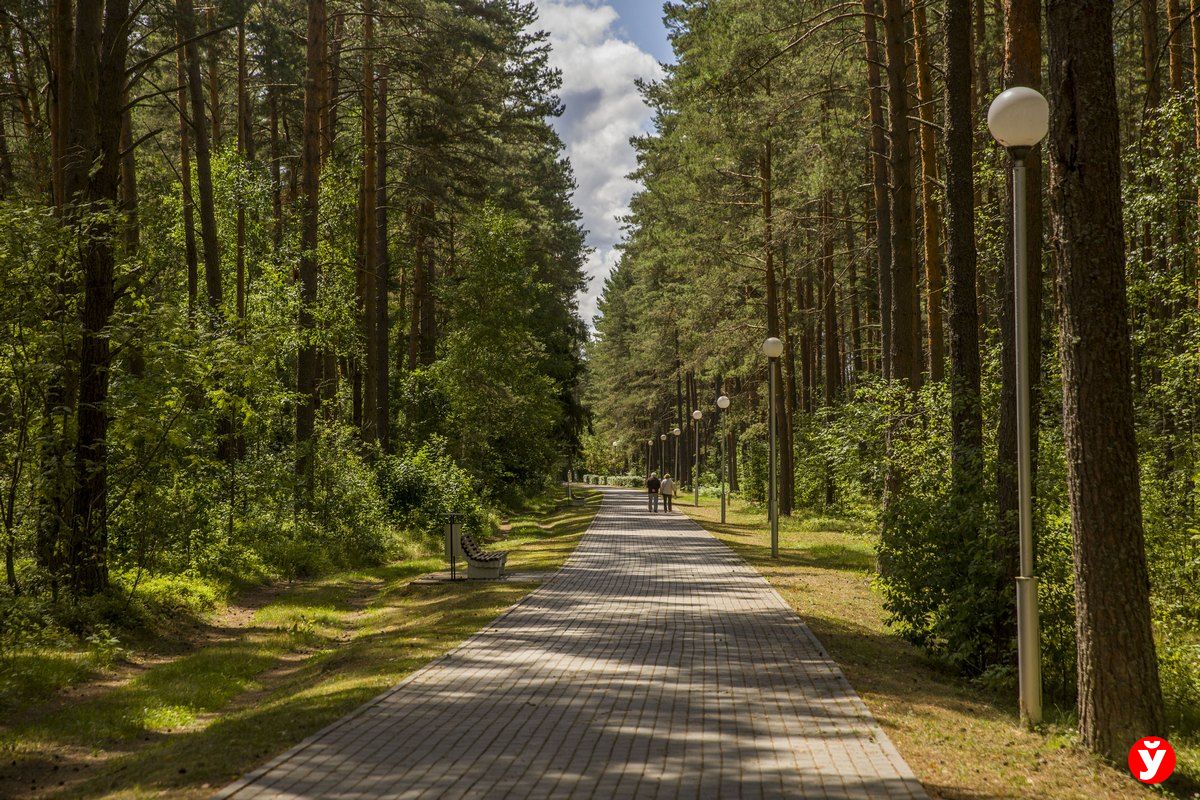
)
(961, 740)
(186, 726)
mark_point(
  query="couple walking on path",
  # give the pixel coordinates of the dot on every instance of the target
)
(655, 487)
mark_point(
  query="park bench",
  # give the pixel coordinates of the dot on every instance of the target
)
(481, 565)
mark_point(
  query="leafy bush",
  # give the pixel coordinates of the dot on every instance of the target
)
(1179, 670)
(753, 468)
(170, 596)
(422, 487)
(27, 621)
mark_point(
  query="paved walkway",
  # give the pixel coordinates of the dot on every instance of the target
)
(655, 664)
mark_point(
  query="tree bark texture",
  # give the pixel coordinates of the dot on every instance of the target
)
(879, 183)
(307, 362)
(966, 421)
(1119, 695)
(904, 362)
(931, 215)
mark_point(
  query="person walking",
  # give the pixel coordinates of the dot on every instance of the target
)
(667, 488)
(652, 487)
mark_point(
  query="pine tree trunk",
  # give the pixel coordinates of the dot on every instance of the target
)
(62, 33)
(191, 255)
(369, 228)
(243, 145)
(7, 176)
(418, 289)
(829, 324)
(208, 214)
(931, 214)
(1119, 695)
(789, 368)
(382, 268)
(983, 83)
(783, 423)
(92, 183)
(427, 301)
(904, 363)
(214, 85)
(1175, 32)
(789, 341)
(879, 183)
(811, 325)
(966, 421)
(828, 304)
(307, 363)
(333, 62)
(129, 190)
(55, 477)
(1195, 14)
(856, 343)
(27, 100)
(805, 387)
(1150, 54)
(276, 172)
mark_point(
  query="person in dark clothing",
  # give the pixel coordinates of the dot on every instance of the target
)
(652, 486)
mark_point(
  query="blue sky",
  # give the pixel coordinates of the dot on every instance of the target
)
(641, 20)
(602, 47)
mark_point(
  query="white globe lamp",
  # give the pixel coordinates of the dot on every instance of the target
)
(1019, 117)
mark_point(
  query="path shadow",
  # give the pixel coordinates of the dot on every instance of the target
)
(621, 676)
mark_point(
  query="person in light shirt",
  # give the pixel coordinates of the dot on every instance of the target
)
(668, 491)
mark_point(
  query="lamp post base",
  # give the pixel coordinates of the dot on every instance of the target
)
(1029, 669)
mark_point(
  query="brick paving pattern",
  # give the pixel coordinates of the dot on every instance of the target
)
(654, 664)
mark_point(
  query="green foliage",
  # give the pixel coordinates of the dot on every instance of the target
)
(754, 470)
(627, 481)
(491, 395)
(1160, 201)
(940, 568)
(420, 489)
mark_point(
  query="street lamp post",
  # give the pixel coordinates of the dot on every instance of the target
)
(697, 415)
(723, 404)
(1019, 119)
(772, 348)
(649, 444)
(675, 464)
(662, 452)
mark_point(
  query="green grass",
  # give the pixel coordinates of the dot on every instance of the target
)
(189, 725)
(36, 673)
(961, 739)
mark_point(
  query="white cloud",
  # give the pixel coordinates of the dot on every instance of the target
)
(603, 110)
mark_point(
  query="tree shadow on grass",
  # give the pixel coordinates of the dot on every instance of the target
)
(429, 621)
(849, 556)
(154, 733)
(877, 661)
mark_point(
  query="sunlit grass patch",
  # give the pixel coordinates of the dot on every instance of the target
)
(37, 672)
(317, 650)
